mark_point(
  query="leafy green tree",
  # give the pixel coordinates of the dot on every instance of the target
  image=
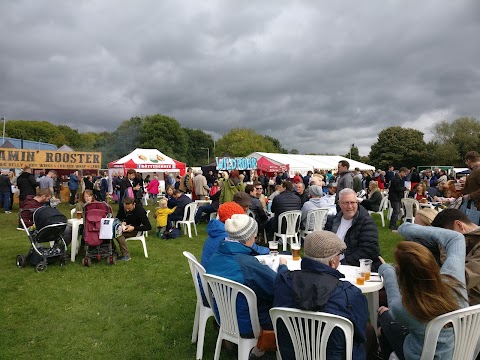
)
(398, 146)
(353, 153)
(32, 130)
(198, 142)
(165, 134)
(123, 140)
(242, 142)
(462, 135)
(294, 151)
(442, 154)
(279, 148)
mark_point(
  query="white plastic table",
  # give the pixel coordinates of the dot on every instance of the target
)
(369, 289)
(75, 229)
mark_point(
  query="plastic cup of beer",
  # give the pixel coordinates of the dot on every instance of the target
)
(207, 198)
(79, 215)
(273, 246)
(366, 267)
(424, 200)
(296, 251)
(360, 277)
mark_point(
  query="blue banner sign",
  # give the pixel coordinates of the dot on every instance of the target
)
(239, 163)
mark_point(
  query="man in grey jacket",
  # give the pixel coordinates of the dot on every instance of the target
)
(345, 178)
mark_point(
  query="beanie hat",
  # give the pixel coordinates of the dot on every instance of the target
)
(241, 228)
(226, 210)
(242, 198)
(315, 190)
(323, 245)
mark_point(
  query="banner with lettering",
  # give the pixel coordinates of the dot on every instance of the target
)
(46, 159)
(238, 163)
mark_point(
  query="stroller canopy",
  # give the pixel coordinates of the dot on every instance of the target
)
(45, 216)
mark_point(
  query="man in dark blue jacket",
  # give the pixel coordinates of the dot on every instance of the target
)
(285, 201)
(317, 287)
(182, 201)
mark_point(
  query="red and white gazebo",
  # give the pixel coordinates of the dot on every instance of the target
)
(147, 161)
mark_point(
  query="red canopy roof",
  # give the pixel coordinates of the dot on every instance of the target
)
(268, 166)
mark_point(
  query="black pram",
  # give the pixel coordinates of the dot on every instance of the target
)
(49, 226)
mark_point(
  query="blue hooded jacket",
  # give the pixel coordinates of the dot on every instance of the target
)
(237, 262)
(216, 234)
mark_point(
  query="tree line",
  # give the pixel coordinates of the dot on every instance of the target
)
(395, 145)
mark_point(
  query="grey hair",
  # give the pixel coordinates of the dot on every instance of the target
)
(346, 191)
(199, 172)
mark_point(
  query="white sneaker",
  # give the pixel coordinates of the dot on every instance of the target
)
(20, 229)
(8, 212)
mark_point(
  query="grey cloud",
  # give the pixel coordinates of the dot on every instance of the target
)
(318, 76)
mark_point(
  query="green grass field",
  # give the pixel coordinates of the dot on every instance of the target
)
(141, 309)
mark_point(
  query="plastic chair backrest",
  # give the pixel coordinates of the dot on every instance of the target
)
(292, 219)
(224, 294)
(317, 217)
(198, 272)
(310, 331)
(383, 204)
(466, 326)
(251, 213)
(189, 212)
(72, 213)
(409, 204)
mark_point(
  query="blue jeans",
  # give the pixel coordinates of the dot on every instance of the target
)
(207, 209)
(5, 197)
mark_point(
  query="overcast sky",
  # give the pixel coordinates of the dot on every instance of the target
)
(317, 75)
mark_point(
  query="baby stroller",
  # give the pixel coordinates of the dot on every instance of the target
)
(95, 246)
(49, 226)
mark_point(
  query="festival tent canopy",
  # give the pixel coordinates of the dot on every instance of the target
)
(148, 160)
(305, 163)
(268, 166)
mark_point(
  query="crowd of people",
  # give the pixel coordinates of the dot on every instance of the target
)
(437, 266)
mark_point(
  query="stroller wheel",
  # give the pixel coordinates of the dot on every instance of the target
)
(41, 266)
(21, 261)
(63, 261)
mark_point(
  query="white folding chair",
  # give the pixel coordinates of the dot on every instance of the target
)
(382, 208)
(409, 205)
(310, 332)
(202, 312)
(466, 328)
(225, 293)
(72, 213)
(141, 235)
(316, 216)
(189, 219)
(292, 220)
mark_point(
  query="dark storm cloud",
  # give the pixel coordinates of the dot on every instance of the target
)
(318, 76)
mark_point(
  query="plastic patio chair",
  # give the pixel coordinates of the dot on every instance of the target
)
(202, 312)
(72, 213)
(466, 327)
(381, 209)
(141, 236)
(189, 219)
(318, 217)
(225, 293)
(310, 332)
(292, 220)
(409, 205)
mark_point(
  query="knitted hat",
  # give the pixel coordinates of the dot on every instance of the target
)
(242, 198)
(241, 227)
(226, 210)
(315, 190)
(323, 245)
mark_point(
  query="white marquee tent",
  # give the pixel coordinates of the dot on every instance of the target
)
(304, 163)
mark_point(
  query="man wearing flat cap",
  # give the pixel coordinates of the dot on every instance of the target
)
(235, 260)
(317, 287)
